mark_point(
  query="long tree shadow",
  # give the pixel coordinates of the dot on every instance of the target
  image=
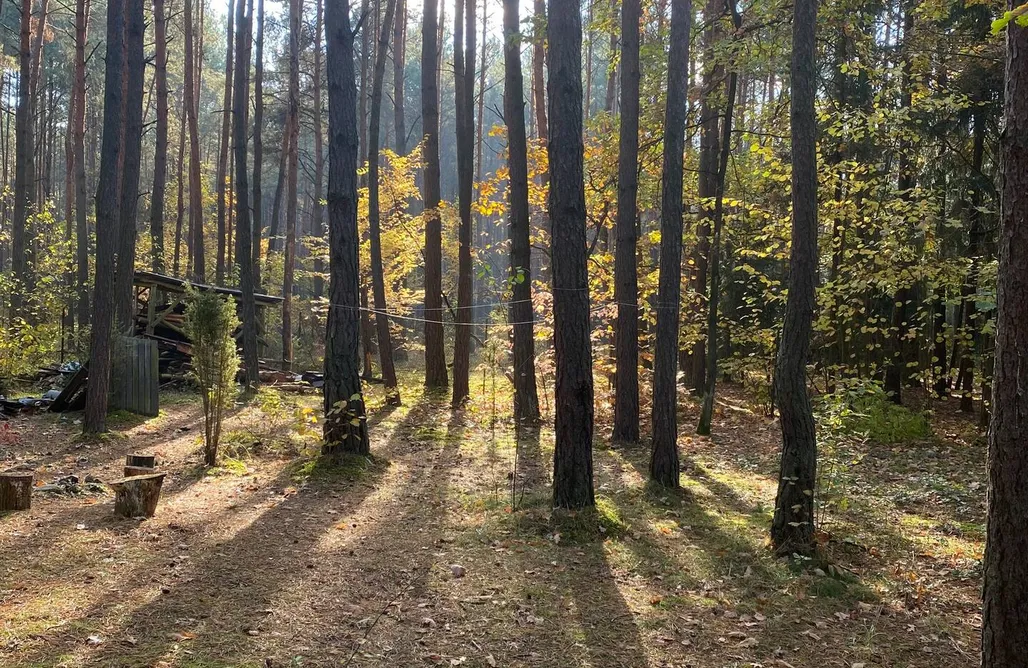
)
(212, 599)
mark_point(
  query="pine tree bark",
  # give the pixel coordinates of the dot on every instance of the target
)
(399, 73)
(107, 223)
(345, 424)
(792, 528)
(317, 211)
(714, 296)
(526, 397)
(293, 128)
(244, 228)
(197, 254)
(464, 90)
(573, 391)
(1005, 606)
(664, 467)
(132, 124)
(539, 70)
(180, 204)
(24, 171)
(274, 230)
(385, 343)
(79, 140)
(160, 167)
(226, 124)
(258, 147)
(694, 362)
(435, 355)
(626, 275)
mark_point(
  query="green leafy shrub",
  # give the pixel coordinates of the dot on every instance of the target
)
(210, 322)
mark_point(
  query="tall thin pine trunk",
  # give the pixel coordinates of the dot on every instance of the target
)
(160, 167)
(464, 91)
(78, 139)
(385, 343)
(258, 147)
(318, 222)
(573, 390)
(526, 397)
(244, 230)
(132, 123)
(1006, 570)
(293, 128)
(226, 124)
(435, 355)
(664, 453)
(95, 419)
(626, 275)
(197, 256)
(399, 69)
(792, 528)
(345, 424)
(24, 186)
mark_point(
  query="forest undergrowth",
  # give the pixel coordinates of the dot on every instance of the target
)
(442, 548)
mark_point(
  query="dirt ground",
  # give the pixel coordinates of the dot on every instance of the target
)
(416, 557)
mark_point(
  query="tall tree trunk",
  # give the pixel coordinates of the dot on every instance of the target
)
(714, 297)
(95, 419)
(385, 343)
(435, 355)
(132, 122)
(364, 92)
(792, 529)
(345, 424)
(613, 68)
(226, 124)
(664, 453)
(24, 186)
(694, 362)
(258, 147)
(274, 231)
(293, 127)
(464, 91)
(180, 204)
(244, 229)
(318, 222)
(399, 69)
(197, 259)
(78, 139)
(1006, 570)
(970, 331)
(626, 275)
(573, 392)
(160, 166)
(538, 69)
(526, 397)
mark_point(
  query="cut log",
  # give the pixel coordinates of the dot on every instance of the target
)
(132, 471)
(15, 491)
(137, 459)
(137, 496)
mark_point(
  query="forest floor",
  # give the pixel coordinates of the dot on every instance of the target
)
(415, 557)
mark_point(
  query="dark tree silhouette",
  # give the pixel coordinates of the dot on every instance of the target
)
(345, 425)
(526, 397)
(664, 450)
(626, 272)
(792, 529)
(573, 388)
(95, 419)
(435, 355)
(1006, 570)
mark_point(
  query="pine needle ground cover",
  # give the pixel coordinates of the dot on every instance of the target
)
(441, 549)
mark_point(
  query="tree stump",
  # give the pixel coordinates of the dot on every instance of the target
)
(132, 471)
(15, 491)
(144, 461)
(137, 496)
